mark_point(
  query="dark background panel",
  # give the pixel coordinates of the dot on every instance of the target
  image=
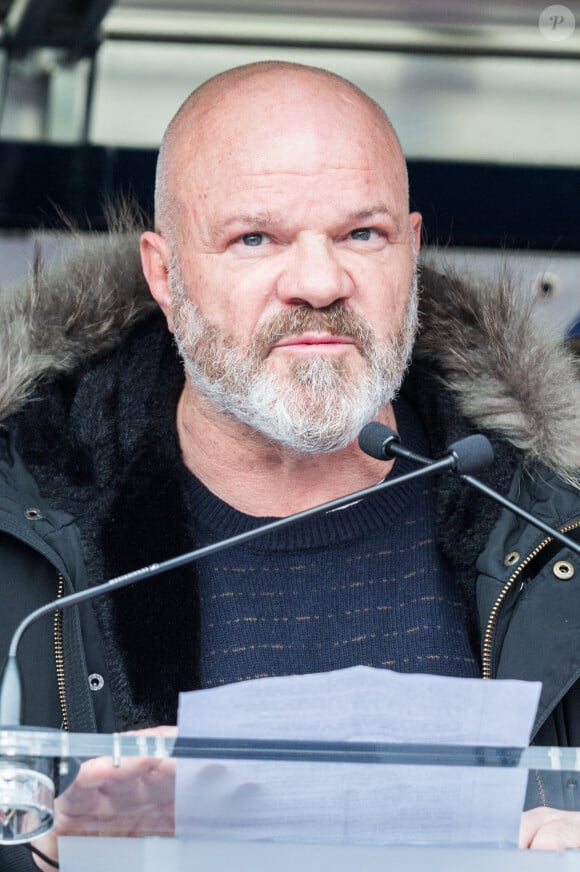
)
(495, 206)
(39, 184)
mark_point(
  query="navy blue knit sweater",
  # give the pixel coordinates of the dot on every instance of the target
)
(364, 584)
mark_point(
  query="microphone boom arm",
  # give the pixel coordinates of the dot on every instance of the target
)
(11, 684)
(553, 532)
(381, 442)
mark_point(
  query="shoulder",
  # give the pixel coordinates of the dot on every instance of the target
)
(61, 320)
(507, 374)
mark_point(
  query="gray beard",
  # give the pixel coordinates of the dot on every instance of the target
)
(318, 405)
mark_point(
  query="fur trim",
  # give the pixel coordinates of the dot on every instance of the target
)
(61, 319)
(104, 448)
(508, 376)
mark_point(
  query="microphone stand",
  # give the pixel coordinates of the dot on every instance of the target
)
(26, 787)
(10, 686)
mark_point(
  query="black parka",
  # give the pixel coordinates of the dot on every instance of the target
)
(91, 486)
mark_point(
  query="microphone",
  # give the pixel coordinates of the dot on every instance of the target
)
(382, 443)
(25, 803)
(472, 454)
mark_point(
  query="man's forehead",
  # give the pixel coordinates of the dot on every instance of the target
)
(277, 105)
(255, 152)
(238, 136)
(254, 192)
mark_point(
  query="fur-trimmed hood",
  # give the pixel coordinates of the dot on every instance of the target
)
(508, 376)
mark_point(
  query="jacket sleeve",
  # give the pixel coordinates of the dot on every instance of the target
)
(17, 858)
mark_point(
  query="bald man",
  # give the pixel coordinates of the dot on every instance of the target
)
(283, 266)
(287, 273)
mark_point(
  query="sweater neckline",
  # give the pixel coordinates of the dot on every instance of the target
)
(213, 519)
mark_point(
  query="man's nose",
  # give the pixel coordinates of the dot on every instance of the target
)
(314, 274)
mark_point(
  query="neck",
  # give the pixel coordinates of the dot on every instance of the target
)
(261, 478)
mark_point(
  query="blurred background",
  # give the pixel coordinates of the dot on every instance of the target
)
(485, 95)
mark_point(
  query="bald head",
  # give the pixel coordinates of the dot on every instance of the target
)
(259, 99)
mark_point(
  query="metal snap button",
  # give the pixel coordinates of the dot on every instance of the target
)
(563, 570)
(96, 681)
(511, 558)
(33, 514)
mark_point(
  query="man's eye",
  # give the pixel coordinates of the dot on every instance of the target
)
(253, 239)
(362, 233)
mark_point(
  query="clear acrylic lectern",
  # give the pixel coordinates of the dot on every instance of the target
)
(39, 769)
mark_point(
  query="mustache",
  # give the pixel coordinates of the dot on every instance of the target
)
(334, 319)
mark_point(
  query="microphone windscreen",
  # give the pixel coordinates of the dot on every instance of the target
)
(473, 453)
(374, 439)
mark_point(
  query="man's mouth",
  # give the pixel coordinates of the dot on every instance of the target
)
(310, 342)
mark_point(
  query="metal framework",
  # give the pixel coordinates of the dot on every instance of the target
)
(70, 25)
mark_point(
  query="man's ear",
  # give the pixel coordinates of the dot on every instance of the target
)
(416, 222)
(155, 260)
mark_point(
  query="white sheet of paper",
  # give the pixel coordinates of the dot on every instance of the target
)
(356, 803)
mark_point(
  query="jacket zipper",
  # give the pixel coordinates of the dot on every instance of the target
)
(541, 789)
(488, 640)
(59, 655)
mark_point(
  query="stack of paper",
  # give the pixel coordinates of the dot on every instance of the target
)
(356, 803)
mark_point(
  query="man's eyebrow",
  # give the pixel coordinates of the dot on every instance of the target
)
(374, 212)
(255, 220)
